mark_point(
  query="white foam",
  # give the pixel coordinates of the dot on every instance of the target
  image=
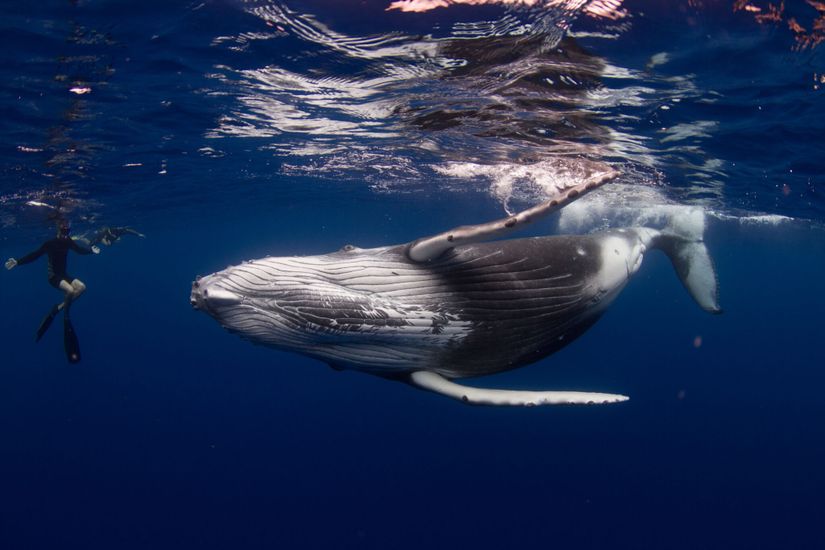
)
(757, 219)
(621, 205)
(625, 205)
(660, 58)
(611, 206)
(534, 182)
(690, 130)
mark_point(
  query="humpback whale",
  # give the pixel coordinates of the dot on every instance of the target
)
(454, 305)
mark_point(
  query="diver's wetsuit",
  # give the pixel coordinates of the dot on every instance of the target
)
(57, 249)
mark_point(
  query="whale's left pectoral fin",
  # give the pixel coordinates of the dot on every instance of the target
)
(430, 248)
(434, 382)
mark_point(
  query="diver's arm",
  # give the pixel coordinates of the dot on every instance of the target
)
(83, 250)
(28, 258)
(84, 241)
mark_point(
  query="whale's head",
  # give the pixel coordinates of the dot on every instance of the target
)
(335, 307)
(281, 302)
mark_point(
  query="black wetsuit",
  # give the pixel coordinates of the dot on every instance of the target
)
(57, 249)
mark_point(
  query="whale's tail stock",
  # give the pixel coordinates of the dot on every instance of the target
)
(683, 242)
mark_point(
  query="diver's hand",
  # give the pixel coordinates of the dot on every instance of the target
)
(95, 249)
(10, 263)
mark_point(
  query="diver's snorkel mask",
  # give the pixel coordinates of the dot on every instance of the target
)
(63, 230)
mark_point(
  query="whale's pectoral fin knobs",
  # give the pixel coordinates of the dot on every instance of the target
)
(480, 396)
(430, 248)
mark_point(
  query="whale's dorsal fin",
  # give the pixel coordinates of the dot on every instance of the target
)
(430, 248)
(482, 396)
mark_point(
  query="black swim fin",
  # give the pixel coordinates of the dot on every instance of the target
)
(70, 342)
(46, 322)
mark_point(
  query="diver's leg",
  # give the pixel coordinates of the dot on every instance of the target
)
(79, 288)
(68, 294)
(72, 292)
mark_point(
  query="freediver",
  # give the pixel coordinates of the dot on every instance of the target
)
(106, 235)
(57, 251)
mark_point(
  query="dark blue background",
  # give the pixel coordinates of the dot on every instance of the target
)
(172, 433)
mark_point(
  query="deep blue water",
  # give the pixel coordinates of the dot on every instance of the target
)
(233, 130)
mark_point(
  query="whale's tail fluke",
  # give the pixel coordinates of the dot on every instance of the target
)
(683, 242)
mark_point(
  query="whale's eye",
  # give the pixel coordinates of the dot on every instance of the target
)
(347, 248)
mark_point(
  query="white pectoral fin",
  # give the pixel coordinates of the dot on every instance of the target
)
(480, 396)
(429, 248)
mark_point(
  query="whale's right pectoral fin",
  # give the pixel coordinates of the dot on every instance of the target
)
(482, 396)
(430, 248)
